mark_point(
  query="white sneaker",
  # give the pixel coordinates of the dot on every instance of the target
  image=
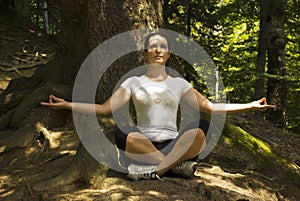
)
(185, 169)
(137, 172)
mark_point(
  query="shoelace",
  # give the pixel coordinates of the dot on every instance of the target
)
(181, 165)
(152, 175)
(158, 177)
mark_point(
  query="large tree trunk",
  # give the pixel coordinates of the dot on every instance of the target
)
(22, 7)
(262, 53)
(85, 25)
(276, 84)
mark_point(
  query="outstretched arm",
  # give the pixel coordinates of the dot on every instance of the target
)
(199, 102)
(116, 101)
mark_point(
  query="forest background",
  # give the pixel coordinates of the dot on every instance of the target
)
(254, 44)
(235, 34)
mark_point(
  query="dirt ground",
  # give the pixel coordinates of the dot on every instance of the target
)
(228, 173)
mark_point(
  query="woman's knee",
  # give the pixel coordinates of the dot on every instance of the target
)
(196, 134)
(134, 137)
(198, 142)
(200, 135)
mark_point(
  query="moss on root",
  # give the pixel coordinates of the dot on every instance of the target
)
(266, 156)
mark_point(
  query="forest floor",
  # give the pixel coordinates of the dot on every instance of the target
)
(261, 166)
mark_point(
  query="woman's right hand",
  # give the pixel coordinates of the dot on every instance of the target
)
(55, 103)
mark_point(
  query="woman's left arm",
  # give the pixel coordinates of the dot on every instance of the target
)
(199, 102)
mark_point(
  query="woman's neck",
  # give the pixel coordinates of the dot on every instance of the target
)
(156, 73)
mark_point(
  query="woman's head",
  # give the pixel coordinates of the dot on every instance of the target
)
(148, 37)
(157, 48)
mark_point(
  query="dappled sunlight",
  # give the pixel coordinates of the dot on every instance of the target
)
(242, 184)
(2, 148)
(40, 160)
(45, 160)
(52, 137)
(70, 152)
(29, 151)
(5, 181)
(8, 98)
(6, 194)
(113, 192)
(4, 82)
(134, 191)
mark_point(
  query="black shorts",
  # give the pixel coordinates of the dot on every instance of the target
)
(121, 136)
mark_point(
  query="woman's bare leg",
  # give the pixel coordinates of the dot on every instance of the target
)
(188, 146)
(140, 148)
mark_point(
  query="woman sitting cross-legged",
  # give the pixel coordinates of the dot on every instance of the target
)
(155, 141)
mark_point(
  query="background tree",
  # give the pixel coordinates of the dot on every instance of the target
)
(92, 23)
(22, 7)
(234, 34)
(227, 29)
(275, 40)
(292, 30)
(260, 88)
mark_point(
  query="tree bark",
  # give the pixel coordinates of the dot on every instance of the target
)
(22, 7)
(84, 25)
(276, 84)
(260, 88)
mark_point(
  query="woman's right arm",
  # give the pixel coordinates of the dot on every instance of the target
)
(116, 101)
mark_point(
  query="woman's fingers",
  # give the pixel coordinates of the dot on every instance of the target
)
(263, 101)
(56, 99)
(53, 102)
(262, 104)
(44, 103)
(51, 99)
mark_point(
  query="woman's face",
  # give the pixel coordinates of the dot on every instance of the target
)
(158, 50)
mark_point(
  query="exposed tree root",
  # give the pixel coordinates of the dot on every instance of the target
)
(19, 138)
(60, 181)
(28, 114)
(33, 100)
(10, 67)
(5, 119)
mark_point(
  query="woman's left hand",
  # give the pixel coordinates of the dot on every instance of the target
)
(261, 104)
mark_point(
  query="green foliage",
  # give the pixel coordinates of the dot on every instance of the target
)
(228, 30)
(38, 18)
(292, 32)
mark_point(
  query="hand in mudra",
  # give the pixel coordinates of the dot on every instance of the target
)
(261, 104)
(55, 103)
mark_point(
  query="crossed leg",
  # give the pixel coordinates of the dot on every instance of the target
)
(188, 146)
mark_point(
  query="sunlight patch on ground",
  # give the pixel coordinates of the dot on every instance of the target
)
(234, 182)
(30, 150)
(8, 193)
(2, 149)
(52, 137)
(4, 83)
(8, 98)
(70, 152)
(5, 180)
(114, 192)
